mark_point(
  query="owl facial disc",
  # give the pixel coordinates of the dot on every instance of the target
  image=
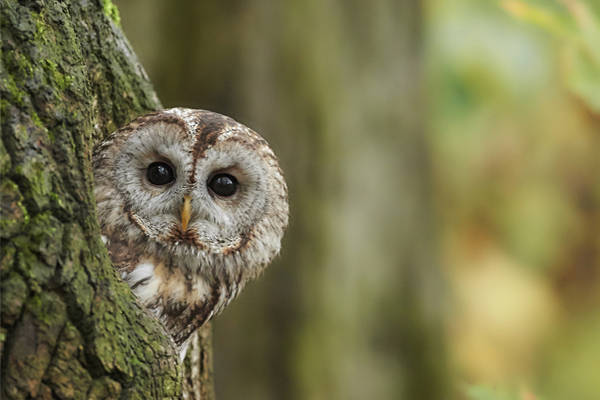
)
(193, 205)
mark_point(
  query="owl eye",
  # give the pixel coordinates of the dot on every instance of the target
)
(160, 173)
(223, 185)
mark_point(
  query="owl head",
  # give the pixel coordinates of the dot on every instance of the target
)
(192, 186)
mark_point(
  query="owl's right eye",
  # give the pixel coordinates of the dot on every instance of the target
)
(160, 173)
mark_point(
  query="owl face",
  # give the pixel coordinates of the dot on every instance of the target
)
(195, 183)
(192, 206)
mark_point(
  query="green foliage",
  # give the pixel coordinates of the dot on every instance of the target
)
(577, 25)
(514, 131)
(482, 392)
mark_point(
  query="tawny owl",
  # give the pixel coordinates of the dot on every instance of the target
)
(192, 205)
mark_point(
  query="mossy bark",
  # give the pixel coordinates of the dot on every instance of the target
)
(70, 328)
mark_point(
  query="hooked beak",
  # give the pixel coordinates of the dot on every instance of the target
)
(186, 212)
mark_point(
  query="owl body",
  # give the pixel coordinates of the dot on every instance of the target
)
(192, 205)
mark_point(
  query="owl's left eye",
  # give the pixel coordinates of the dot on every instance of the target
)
(160, 173)
(224, 185)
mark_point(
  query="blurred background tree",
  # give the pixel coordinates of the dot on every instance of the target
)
(491, 167)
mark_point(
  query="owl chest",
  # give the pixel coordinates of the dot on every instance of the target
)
(182, 302)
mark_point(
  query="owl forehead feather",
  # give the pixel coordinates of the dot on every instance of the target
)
(204, 127)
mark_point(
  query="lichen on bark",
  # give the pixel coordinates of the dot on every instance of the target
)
(70, 328)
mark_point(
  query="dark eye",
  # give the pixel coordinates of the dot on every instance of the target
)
(223, 185)
(160, 173)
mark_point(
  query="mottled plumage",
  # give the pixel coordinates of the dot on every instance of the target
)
(188, 247)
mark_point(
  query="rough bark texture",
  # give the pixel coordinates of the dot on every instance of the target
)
(198, 367)
(70, 328)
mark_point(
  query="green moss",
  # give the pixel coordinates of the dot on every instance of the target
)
(67, 375)
(13, 90)
(4, 160)
(7, 258)
(13, 294)
(37, 253)
(37, 176)
(111, 11)
(37, 121)
(104, 388)
(20, 64)
(41, 29)
(45, 233)
(14, 213)
(27, 266)
(4, 108)
(59, 80)
(33, 340)
(13, 93)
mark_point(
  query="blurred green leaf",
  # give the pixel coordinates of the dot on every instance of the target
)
(541, 15)
(571, 367)
(579, 27)
(484, 392)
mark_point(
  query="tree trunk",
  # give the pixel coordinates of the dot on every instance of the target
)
(339, 84)
(70, 328)
(198, 367)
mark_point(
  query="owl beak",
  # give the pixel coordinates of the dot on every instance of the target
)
(186, 212)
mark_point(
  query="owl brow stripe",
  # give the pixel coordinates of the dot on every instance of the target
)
(165, 118)
(154, 117)
(207, 134)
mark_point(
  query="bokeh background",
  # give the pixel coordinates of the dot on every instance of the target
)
(443, 159)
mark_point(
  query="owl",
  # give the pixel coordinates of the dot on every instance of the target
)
(192, 205)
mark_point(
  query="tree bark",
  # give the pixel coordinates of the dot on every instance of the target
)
(70, 328)
(198, 380)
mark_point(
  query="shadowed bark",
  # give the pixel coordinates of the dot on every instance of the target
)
(198, 367)
(70, 328)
